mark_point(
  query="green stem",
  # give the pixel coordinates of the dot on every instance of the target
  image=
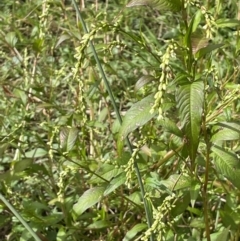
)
(207, 166)
(205, 194)
(18, 216)
(146, 204)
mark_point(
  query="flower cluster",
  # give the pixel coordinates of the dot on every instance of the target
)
(165, 76)
(129, 168)
(159, 214)
(210, 23)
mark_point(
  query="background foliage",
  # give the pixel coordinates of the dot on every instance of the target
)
(65, 165)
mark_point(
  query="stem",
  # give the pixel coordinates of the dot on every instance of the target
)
(207, 166)
(205, 194)
(145, 202)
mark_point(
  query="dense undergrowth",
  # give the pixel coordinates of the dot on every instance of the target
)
(137, 142)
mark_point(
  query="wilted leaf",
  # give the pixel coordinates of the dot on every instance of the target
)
(142, 81)
(173, 5)
(198, 43)
(62, 39)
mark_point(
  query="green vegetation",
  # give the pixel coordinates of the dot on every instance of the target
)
(119, 121)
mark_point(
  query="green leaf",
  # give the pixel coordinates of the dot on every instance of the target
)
(134, 231)
(38, 45)
(115, 183)
(22, 165)
(228, 157)
(189, 100)
(182, 79)
(154, 183)
(229, 131)
(187, 37)
(68, 136)
(88, 199)
(135, 198)
(194, 192)
(173, 5)
(197, 223)
(227, 163)
(11, 39)
(197, 20)
(107, 172)
(170, 127)
(22, 95)
(35, 153)
(138, 115)
(203, 51)
(227, 23)
(181, 204)
(176, 182)
(99, 224)
(222, 235)
(230, 219)
(225, 135)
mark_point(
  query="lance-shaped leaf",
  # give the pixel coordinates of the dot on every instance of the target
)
(170, 127)
(115, 183)
(227, 163)
(228, 131)
(190, 105)
(134, 231)
(176, 182)
(227, 23)
(203, 51)
(138, 115)
(68, 136)
(88, 199)
(223, 235)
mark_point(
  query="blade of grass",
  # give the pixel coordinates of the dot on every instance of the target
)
(145, 202)
(18, 216)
